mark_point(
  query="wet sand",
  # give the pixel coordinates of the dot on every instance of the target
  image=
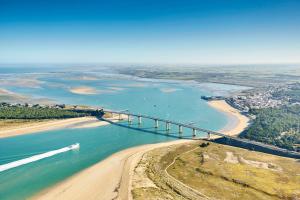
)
(84, 90)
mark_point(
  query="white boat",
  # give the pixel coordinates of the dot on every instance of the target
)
(38, 157)
(74, 146)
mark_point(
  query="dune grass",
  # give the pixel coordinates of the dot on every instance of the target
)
(248, 175)
(220, 172)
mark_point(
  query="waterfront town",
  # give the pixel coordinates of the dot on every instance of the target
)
(269, 97)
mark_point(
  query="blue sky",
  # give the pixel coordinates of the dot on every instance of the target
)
(150, 31)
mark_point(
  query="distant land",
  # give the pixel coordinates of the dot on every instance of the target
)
(258, 76)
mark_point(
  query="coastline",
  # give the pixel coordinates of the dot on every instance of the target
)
(80, 122)
(107, 179)
(117, 169)
(236, 121)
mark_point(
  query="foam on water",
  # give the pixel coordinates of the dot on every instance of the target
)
(37, 157)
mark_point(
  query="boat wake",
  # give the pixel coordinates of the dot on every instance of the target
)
(34, 158)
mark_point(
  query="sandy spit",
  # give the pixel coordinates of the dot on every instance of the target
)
(80, 122)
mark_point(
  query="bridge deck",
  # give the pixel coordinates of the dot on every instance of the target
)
(205, 131)
(170, 121)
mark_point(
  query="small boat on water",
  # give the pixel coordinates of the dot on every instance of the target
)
(74, 146)
(38, 157)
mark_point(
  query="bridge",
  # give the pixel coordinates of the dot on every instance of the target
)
(168, 123)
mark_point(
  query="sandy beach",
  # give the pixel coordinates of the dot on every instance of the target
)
(80, 122)
(108, 179)
(236, 121)
(111, 178)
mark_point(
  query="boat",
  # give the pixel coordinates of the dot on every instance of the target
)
(37, 157)
(74, 146)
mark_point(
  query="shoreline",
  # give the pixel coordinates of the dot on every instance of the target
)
(40, 126)
(237, 122)
(118, 168)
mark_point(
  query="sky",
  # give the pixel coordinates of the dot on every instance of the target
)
(150, 31)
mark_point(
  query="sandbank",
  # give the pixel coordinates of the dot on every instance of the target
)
(84, 90)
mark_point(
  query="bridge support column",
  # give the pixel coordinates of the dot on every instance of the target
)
(129, 119)
(194, 132)
(180, 129)
(167, 126)
(140, 120)
(156, 123)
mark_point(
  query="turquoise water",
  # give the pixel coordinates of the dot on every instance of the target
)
(177, 101)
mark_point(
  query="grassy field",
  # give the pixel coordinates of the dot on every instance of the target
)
(220, 172)
(150, 182)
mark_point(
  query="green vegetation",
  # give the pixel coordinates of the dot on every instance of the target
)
(276, 126)
(41, 113)
(292, 93)
(224, 172)
(219, 172)
(153, 165)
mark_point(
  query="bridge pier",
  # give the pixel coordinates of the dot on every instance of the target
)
(129, 119)
(194, 132)
(156, 123)
(140, 120)
(167, 126)
(180, 129)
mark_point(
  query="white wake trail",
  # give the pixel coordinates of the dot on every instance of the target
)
(37, 157)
